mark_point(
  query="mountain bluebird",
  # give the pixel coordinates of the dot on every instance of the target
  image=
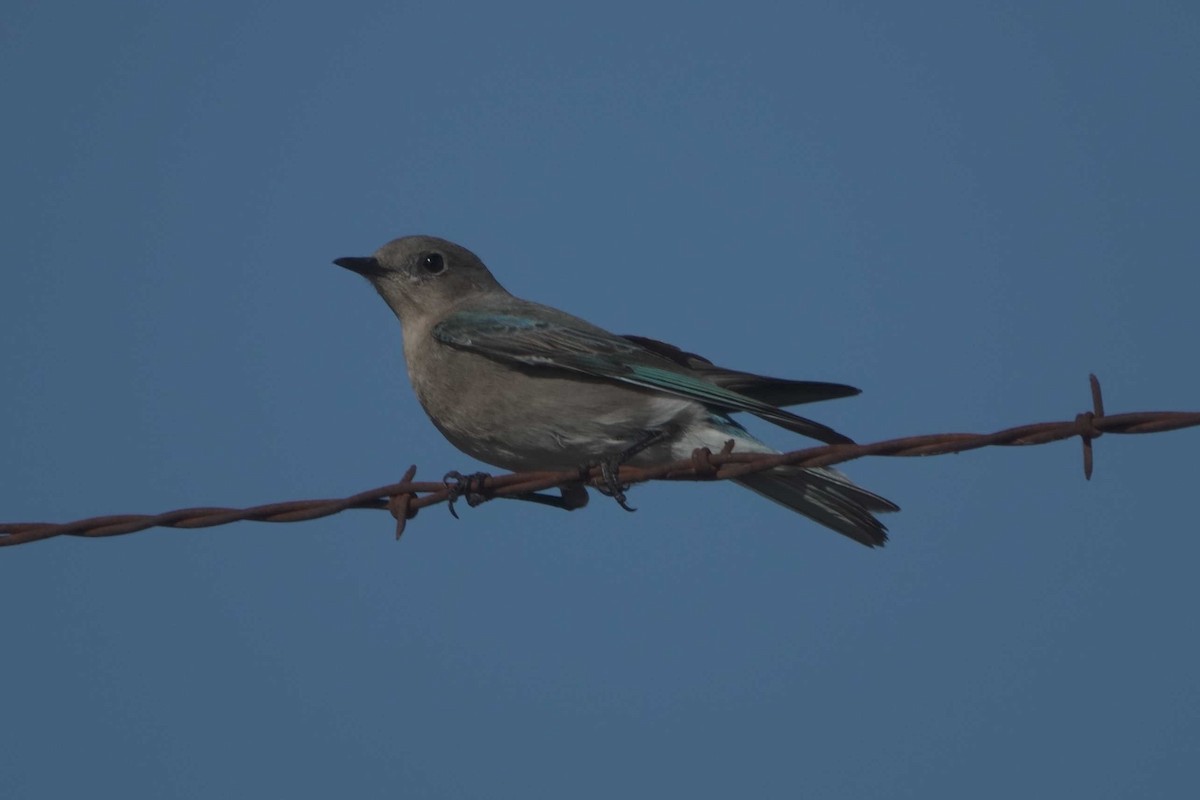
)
(524, 386)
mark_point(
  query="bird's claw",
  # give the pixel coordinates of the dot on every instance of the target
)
(610, 468)
(610, 472)
(469, 486)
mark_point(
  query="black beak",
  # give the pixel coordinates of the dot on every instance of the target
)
(366, 266)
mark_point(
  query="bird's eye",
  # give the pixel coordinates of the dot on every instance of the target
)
(433, 263)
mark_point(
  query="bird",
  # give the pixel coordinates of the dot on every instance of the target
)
(524, 386)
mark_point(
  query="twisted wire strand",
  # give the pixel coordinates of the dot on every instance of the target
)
(405, 498)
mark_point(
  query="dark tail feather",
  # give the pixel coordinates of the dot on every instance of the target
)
(825, 496)
(775, 391)
(778, 391)
(803, 426)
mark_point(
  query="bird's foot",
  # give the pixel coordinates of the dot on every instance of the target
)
(469, 486)
(610, 475)
(610, 468)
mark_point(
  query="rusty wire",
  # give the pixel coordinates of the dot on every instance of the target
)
(405, 498)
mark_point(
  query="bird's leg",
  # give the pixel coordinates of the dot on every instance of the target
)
(458, 485)
(570, 497)
(610, 468)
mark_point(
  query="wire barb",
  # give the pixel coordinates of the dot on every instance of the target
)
(406, 498)
(400, 505)
(1086, 425)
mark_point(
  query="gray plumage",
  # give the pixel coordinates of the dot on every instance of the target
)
(524, 386)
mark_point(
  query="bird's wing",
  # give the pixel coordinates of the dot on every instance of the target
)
(536, 342)
(776, 391)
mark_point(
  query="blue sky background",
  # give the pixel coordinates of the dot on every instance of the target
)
(962, 208)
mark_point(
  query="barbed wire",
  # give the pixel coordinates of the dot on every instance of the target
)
(405, 498)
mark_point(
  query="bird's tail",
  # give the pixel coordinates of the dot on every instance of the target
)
(827, 497)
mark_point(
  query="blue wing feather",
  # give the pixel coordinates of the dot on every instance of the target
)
(576, 346)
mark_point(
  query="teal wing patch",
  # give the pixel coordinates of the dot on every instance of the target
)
(536, 342)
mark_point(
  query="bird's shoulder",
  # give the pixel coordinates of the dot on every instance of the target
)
(514, 320)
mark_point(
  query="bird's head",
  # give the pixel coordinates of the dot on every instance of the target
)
(423, 275)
